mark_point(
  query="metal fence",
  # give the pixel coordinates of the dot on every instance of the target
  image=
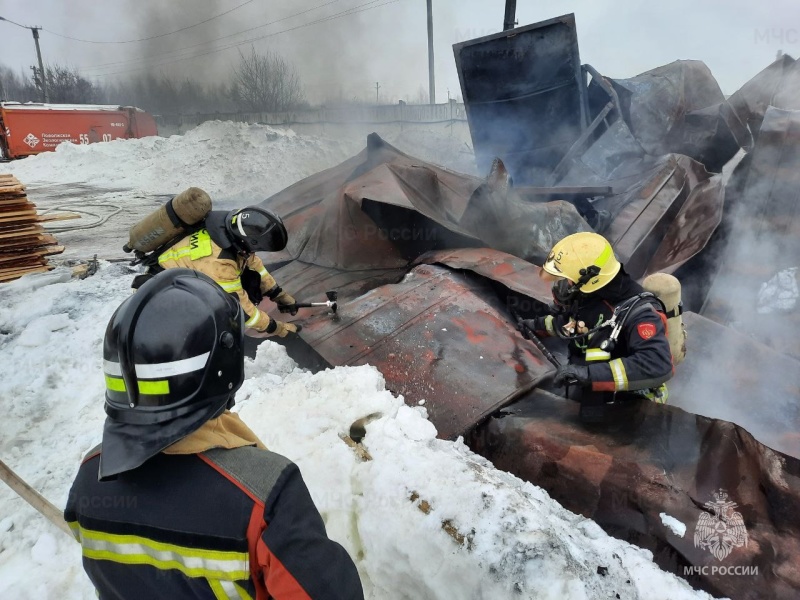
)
(451, 114)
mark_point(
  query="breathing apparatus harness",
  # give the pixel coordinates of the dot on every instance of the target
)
(566, 296)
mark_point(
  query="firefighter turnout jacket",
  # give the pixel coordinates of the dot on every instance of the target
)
(222, 524)
(199, 252)
(639, 360)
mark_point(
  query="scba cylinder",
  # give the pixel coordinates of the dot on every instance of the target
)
(169, 221)
(668, 289)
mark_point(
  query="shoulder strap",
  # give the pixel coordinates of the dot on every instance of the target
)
(254, 470)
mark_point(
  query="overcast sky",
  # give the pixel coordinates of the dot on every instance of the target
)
(386, 41)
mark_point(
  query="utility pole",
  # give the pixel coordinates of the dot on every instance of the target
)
(431, 81)
(42, 75)
(511, 15)
(377, 87)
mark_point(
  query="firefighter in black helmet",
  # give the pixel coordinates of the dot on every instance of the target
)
(225, 251)
(182, 500)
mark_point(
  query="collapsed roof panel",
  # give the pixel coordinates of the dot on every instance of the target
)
(777, 85)
(678, 108)
(439, 341)
(383, 208)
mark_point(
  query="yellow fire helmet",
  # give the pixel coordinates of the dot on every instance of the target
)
(585, 258)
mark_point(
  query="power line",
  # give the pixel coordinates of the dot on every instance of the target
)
(15, 23)
(202, 44)
(152, 37)
(351, 11)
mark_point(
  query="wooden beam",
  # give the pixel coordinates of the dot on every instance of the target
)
(11, 275)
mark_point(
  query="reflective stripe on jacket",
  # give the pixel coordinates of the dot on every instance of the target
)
(223, 524)
(641, 359)
(199, 252)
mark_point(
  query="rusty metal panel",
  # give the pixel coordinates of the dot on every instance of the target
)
(524, 96)
(692, 228)
(437, 338)
(308, 282)
(515, 273)
(643, 215)
(650, 460)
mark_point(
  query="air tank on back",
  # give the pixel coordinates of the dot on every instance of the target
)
(170, 220)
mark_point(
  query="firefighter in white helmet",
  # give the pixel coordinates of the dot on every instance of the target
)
(617, 337)
(225, 251)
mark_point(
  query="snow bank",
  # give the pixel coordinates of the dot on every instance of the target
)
(231, 161)
(503, 537)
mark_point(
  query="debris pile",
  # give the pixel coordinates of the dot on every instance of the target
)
(24, 242)
(431, 265)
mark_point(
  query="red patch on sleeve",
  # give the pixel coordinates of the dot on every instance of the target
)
(646, 330)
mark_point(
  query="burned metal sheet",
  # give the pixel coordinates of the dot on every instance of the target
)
(513, 272)
(777, 85)
(678, 108)
(524, 96)
(652, 460)
(436, 337)
(643, 214)
(310, 282)
(384, 208)
(692, 228)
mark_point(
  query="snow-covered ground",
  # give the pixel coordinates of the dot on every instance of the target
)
(503, 537)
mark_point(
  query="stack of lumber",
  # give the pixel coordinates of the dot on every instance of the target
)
(24, 244)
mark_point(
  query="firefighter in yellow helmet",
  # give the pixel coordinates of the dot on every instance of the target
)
(225, 250)
(618, 345)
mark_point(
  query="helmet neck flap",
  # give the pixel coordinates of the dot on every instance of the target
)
(173, 359)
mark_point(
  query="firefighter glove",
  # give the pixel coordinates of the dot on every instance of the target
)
(283, 329)
(572, 374)
(286, 302)
(527, 325)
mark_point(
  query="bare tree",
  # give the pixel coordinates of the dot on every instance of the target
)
(265, 83)
(17, 88)
(65, 85)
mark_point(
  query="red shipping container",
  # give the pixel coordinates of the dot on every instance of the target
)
(27, 129)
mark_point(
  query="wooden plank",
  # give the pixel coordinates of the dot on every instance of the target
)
(34, 218)
(9, 214)
(20, 270)
(11, 200)
(14, 224)
(34, 254)
(30, 242)
(11, 277)
(22, 232)
(27, 260)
